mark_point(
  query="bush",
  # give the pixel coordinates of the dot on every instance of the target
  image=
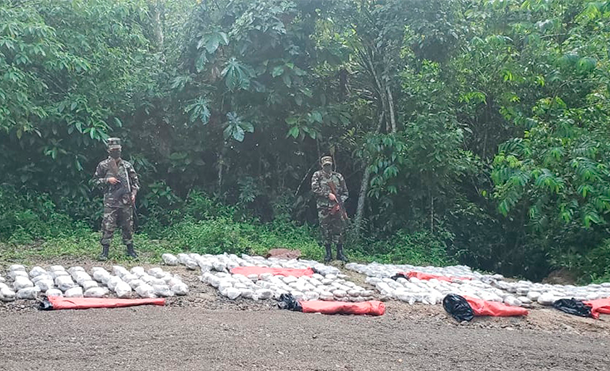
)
(420, 248)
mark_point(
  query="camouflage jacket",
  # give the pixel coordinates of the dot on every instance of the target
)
(320, 187)
(108, 168)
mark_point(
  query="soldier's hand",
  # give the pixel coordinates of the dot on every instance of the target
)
(332, 197)
(112, 180)
(133, 199)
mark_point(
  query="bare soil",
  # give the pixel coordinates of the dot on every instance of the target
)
(204, 331)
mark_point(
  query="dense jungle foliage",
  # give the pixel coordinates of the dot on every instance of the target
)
(468, 131)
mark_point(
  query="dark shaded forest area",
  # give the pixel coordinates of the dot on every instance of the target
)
(468, 131)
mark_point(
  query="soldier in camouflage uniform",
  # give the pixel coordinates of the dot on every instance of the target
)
(329, 215)
(120, 183)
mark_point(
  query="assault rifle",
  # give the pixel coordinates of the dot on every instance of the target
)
(340, 205)
(123, 186)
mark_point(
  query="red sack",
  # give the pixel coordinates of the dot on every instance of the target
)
(59, 302)
(491, 308)
(599, 306)
(428, 276)
(246, 271)
(372, 308)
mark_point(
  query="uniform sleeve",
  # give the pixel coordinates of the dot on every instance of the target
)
(99, 178)
(316, 185)
(343, 193)
(133, 180)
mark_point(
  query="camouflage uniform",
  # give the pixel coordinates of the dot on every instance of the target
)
(331, 222)
(117, 211)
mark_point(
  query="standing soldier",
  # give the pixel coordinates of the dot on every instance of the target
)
(331, 191)
(120, 183)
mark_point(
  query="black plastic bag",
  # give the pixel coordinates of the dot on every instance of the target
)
(458, 307)
(399, 275)
(573, 306)
(287, 301)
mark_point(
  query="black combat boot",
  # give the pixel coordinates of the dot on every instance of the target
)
(131, 252)
(104, 255)
(340, 255)
(329, 253)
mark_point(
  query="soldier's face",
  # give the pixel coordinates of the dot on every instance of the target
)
(115, 154)
(327, 168)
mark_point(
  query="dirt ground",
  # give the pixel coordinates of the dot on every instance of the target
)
(203, 331)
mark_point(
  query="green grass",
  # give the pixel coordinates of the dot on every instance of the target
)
(204, 237)
(219, 235)
(34, 229)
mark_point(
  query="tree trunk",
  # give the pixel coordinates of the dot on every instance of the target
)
(155, 9)
(220, 165)
(391, 107)
(431, 211)
(364, 188)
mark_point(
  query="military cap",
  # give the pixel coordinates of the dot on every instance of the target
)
(326, 160)
(114, 143)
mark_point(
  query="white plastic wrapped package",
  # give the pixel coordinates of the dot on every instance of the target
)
(157, 281)
(119, 271)
(191, 264)
(36, 271)
(16, 267)
(81, 277)
(73, 270)
(59, 273)
(145, 290)
(135, 283)
(129, 277)
(162, 291)
(170, 259)
(6, 294)
(230, 292)
(156, 272)
(22, 283)
(54, 292)
(138, 271)
(262, 294)
(122, 289)
(89, 285)
(56, 268)
(64, 283)
(180, 289)
(113, 281)
(28, 293)
(188, 261)
(15, 274)
(45, 285)
(173, 281)
(101, 275)
(75, 292)
(43, 277)
(95, 292)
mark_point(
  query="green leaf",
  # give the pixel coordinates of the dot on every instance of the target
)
(247, 127)
(586, 64)
(237, 75)
(294, 132)
(239, 134)
(201, 61)
(277, 71)
(292, 120)
(227, 132)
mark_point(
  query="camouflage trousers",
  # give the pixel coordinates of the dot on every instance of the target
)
(331, 225)
(121, 216)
